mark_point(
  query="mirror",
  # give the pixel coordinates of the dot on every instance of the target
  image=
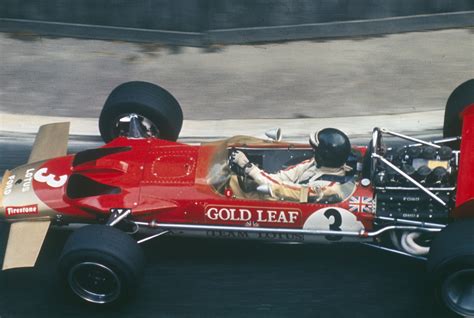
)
(274, 134)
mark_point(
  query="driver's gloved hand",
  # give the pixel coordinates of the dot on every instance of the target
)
(239, 158)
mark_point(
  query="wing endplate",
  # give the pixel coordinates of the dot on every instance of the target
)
(50, 142)
(24, 243)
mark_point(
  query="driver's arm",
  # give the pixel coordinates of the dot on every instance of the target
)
(296, 192)
(283, 180)
(258, 175)
(288, 175)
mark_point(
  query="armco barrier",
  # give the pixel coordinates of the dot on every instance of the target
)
(203, 22)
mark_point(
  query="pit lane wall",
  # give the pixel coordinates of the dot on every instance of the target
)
(204, 22)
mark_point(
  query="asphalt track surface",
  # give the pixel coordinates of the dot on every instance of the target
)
(210, 278)
(379, 75)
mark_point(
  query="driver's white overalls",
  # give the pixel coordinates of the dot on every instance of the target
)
(295, 183)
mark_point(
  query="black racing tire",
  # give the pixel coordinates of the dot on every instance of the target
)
(451, 267)
(101, 264)
(460, 98)
(146, 100)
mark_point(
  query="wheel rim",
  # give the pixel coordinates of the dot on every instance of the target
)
(122, 122)
(94, 282)
(458, 292)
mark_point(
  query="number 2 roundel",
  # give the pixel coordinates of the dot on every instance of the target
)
(333, 219)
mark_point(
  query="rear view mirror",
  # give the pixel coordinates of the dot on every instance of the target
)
(274, 134)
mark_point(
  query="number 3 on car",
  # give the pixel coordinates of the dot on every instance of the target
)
(333, 219)
(50, 179)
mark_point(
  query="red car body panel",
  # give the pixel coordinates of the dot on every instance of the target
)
(166, 182)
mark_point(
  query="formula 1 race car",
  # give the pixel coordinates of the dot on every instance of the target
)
(416, 199)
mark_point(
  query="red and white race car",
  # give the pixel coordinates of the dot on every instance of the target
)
(416, 199)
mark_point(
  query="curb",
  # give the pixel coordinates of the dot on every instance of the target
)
(209, 129)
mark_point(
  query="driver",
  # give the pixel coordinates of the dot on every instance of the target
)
(311, 179)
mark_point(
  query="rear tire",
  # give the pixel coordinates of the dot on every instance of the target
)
(451, 267)
(150, 102)
(459, 99)
(101, 264)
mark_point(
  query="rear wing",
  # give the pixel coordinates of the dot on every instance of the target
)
(465, 182)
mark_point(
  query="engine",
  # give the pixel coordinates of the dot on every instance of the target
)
(398, 197)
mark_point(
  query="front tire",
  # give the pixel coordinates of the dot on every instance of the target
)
(158, 111)
(451, 267)
(101, 264)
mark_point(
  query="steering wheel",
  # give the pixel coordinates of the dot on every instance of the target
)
(245, 183)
